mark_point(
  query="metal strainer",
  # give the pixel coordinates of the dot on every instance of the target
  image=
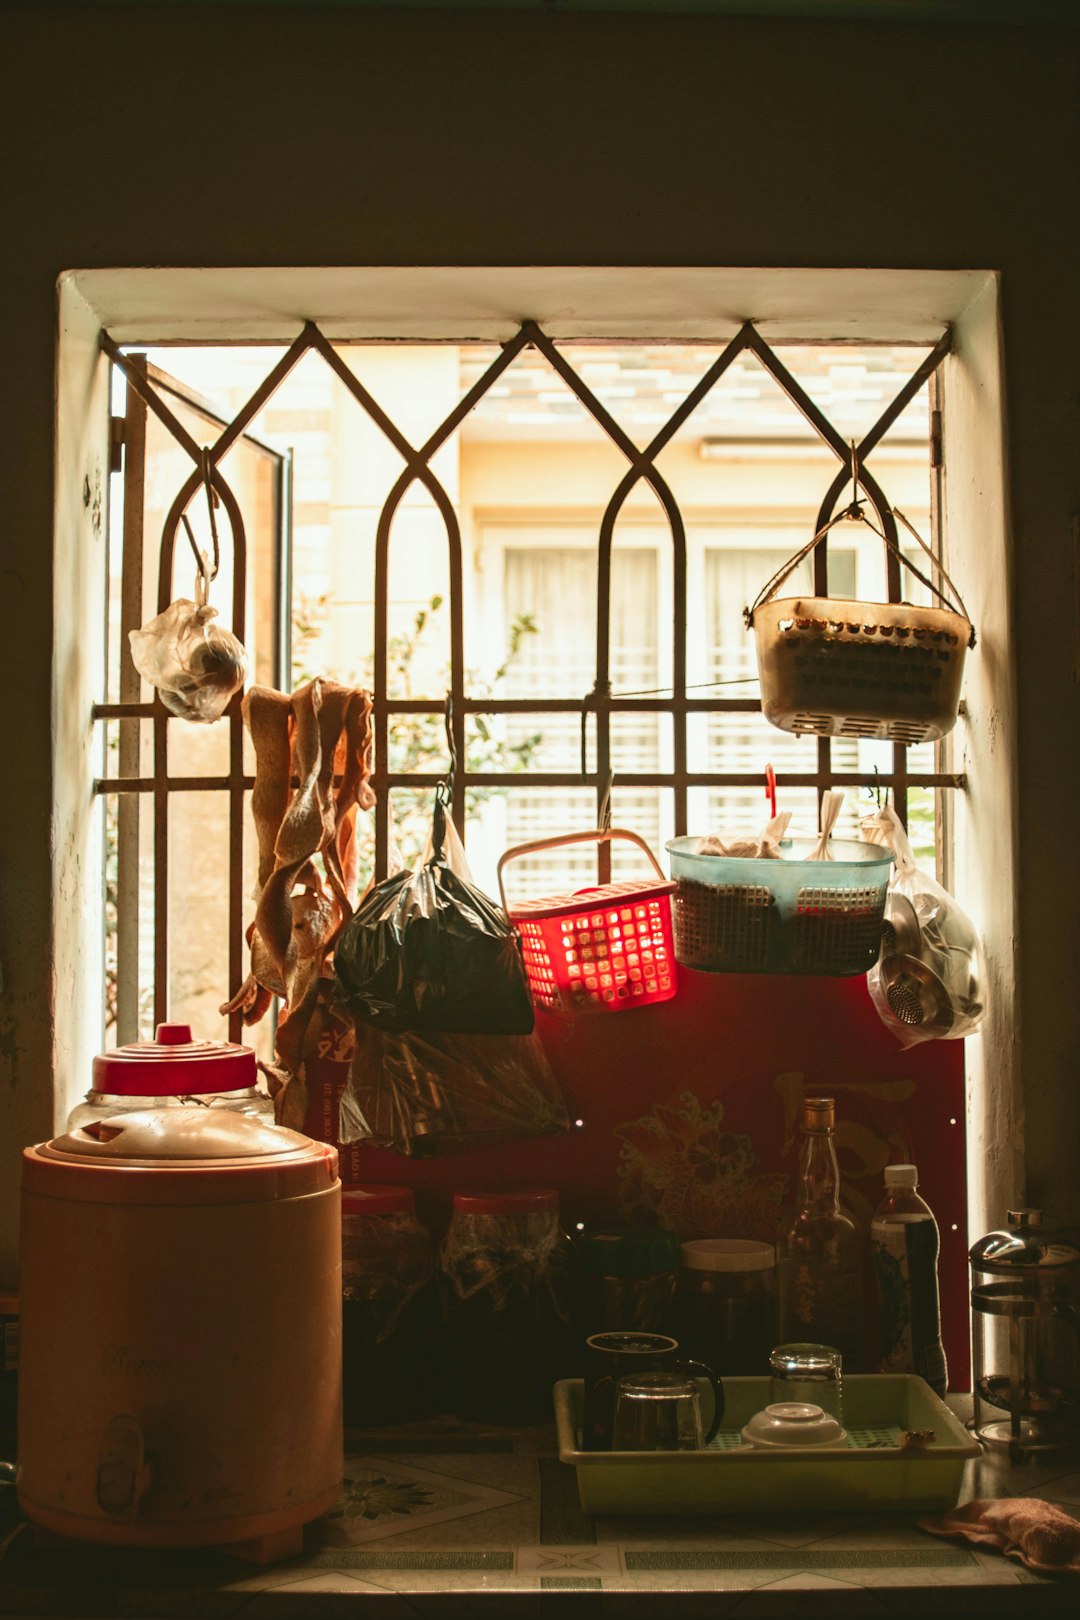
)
(916, 995)
(900, 934)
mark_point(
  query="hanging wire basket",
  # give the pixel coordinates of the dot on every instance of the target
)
(839, 668)
(602, 949)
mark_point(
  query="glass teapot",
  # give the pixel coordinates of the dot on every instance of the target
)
(1025, 1308)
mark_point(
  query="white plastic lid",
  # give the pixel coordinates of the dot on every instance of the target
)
(728, 1254)
(901, 1175)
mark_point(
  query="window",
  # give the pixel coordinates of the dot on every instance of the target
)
(529, 446)
(438, 305)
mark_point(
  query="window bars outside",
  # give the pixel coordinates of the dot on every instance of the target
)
(596, 706)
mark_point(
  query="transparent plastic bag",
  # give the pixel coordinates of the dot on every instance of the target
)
(929, 983)
(428, 1095)
(496, 1254)
(426, 951)
(766, 846)
(193, 663)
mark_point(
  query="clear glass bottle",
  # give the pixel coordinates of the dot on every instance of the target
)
(905, 1242)
(820, 1250)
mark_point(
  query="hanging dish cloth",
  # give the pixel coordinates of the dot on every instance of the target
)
(1022, 1527)
(308, 865)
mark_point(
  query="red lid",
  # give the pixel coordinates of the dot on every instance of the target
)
(173, 1065)
(506, 1203)
(373, 1200)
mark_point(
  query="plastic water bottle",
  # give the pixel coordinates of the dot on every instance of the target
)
(905, 1241)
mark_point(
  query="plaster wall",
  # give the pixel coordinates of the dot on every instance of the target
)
(241, 135)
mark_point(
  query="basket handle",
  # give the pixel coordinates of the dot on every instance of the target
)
(955, 605)
(602, 835)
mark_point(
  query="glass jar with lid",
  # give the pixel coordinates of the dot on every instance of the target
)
(507, 1269)
(627, 1280)
(725, 1304)
(172, 1070)
(391, 1325)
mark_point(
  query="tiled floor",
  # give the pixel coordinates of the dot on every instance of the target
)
(439, 1516)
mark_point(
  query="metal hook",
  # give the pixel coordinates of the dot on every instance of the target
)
(603, 819)
(212, 502)
(206, 575)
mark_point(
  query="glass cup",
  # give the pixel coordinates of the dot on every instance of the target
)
(611, 1357)
(810, 1374)
(658, 1411)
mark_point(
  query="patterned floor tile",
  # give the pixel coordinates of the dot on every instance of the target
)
(972, 1579)
(383, 1499)
(873, 1535)
(805, 1582)
(991, 1562)
(568, 1560)
(562, 1522)
(736, 1529)
(840, 1563)
(656, 1583)
(795, 1529)
(1066, 1491)
(367, 1561)
(329, 1581)
(571, 1583)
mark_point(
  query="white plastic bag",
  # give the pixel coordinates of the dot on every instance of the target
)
(193, 662)
(929, 982)
(765, 847)
(831, 803)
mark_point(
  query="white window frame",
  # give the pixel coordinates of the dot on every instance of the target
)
(487, 304)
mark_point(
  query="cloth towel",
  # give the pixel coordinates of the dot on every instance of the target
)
(1024, 1527)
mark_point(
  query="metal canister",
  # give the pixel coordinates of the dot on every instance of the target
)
(1025, 1314)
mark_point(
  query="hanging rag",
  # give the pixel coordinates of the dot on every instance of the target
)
(312, 770)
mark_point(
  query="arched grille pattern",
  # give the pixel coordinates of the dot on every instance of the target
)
(596, 708)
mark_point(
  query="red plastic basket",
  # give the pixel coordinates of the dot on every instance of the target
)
(597, 950)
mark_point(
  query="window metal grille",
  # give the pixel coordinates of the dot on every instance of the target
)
(594, 710)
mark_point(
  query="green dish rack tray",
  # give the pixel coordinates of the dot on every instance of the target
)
(875, 1472)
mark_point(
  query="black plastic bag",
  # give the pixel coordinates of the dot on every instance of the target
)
(427, 951)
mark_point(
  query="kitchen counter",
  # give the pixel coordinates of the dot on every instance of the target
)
(452, 1520)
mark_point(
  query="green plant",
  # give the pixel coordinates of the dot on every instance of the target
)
(417, 742)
